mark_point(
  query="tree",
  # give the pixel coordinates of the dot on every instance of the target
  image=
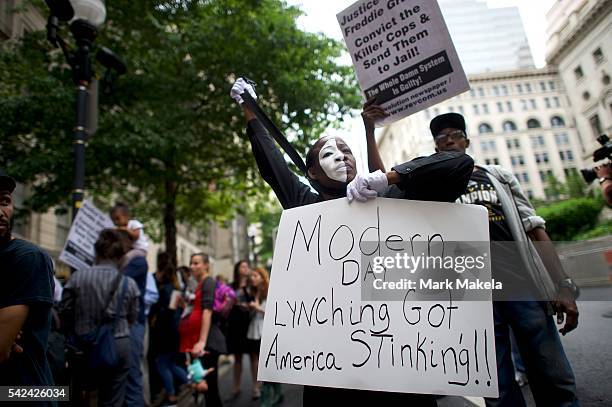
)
(170, 140)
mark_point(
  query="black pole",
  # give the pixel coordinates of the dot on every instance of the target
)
(78, 143)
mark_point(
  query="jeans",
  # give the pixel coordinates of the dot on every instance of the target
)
(112, 386)
(550, 375)
(134, 394)
(169, 371)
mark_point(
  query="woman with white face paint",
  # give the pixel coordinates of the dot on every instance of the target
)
(331, 167)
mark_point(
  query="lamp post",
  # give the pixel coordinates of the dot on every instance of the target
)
(84, 17)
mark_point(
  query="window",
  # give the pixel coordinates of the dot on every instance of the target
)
(513, 161)
(561, 138)
(496, 161)
(533, 104)
(519, 88)
(509, 144)
(521, 160)
(525, 177)
(551, 85)
(496, 90)
(569, 155)
(476, 109)
(509, 106)
(484, 146)
(481, 92)
(578, 72)
(500, 107)
(472, 93)
(598, 56)
(542, 176)
(523, 104)
(543, 86)
(545, 157)
(533, 124)
(557, 121)
(517, 143)
(485, 108)
(509, 126)
(595, 125)
(451, 109)
(485, 128)
(461, 109)
(504, 90)
(528, 87)
(537, 141)
(487, 161)
(547, 103)
(562, 155)
(492, 146)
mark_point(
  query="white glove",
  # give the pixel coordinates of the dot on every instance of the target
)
(358, 189)
(238, 89)
(377, 181)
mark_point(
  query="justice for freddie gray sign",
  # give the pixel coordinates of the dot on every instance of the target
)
(403, 54)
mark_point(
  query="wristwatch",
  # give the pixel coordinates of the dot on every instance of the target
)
(569, 284)
(604, 179)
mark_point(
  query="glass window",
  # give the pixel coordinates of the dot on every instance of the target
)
(485, 108)
(595, 125)
(523, 104)
(538, 158)
(533, 124)
(528, 87)
(551, 85)
(496, 90)
(509, 126)
(533, 104)
(521, 160)
(496, 161)
(545, 157)
(481, 92)
(547, 103)
(509, 106)
(556, 100)
(487, 161)
(476, 109)
(557, 121)
(500, 107)
(504, 89)
(484, 146)
(509, 144)
(519, 88)
(451, 109)
(485, 128)
(543, 86)
(461, 109)
(525, 177)
(492, 146)
(517, 143)
(513, 160)
(472, 93)
(578, 72)
(569, 155)
(562, 155)
(598, 56)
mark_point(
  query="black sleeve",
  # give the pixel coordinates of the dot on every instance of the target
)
(275, 171)
(208, 293)
(30, 280)
(441, 177)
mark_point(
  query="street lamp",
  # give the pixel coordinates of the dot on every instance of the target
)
(84, 17)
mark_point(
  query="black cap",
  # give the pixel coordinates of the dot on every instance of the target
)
(444, 121)
(6, 183)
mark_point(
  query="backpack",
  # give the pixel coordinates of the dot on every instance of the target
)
(225, 298)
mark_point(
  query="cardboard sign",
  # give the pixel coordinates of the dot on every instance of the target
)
(78, 251)
(403, 54)
(319, 331)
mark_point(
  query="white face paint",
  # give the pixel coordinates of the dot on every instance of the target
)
(332, 162)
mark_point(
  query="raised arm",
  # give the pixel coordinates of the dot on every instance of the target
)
(372, 112)
(290, 191)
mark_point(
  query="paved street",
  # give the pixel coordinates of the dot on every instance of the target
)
(588, 350)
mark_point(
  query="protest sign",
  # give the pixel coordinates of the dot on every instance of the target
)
(318, 329)
(403, 54)
(78, 251)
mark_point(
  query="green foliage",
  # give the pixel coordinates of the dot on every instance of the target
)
(170, 139)
(603, 229)
(566, 219)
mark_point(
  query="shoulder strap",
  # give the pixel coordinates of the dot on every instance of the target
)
(274, 131)
(116, 283)
(120, 301)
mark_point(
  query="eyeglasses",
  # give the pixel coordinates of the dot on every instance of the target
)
(455, 135)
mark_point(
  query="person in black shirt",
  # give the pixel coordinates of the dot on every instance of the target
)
(26, 298)
(513, 224)
(331, 167)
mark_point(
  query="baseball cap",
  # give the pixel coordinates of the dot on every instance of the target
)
(6, 183)
(444, 121)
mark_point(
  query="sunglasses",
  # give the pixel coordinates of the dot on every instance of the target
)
(455, 135)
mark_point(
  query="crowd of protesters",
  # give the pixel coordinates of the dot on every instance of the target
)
(132, 336)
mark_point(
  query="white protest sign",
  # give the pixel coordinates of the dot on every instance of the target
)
(78, 251)
(403, 54)
(318, 330)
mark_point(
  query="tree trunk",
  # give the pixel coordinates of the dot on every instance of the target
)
(170, 221)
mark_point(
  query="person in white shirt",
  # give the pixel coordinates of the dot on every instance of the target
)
(120, 215)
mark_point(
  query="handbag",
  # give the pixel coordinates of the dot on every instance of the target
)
(99, 344)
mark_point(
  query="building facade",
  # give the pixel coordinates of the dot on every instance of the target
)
(580, 46)
(517, 119)
(487, 39)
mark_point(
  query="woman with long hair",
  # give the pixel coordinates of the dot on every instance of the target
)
(238, 322)
(200, 332)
